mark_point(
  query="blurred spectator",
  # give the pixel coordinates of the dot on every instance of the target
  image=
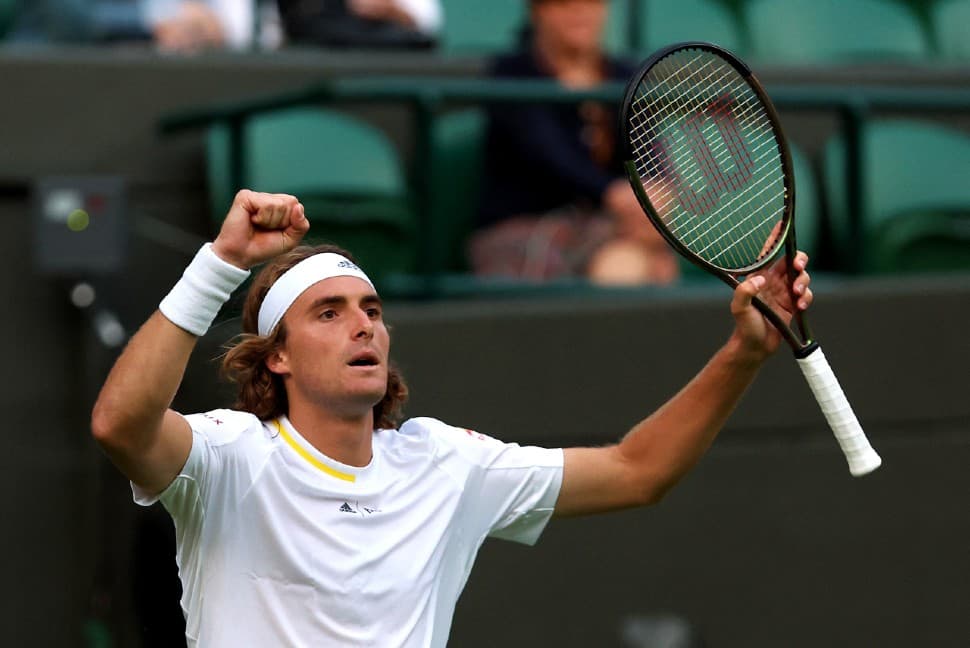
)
(361, 23)
(72, 21)
(173, 25)
(193, 25)
(555, 200)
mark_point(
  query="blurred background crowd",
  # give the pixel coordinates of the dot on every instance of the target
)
(534, 190)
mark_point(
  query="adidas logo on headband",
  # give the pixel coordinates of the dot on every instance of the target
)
(292, 283)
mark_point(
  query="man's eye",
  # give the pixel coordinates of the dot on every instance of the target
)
(374, 312)
(328, 314)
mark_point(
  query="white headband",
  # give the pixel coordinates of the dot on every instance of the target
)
(292, 283)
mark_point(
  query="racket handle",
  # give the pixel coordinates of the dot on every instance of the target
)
(860, 455)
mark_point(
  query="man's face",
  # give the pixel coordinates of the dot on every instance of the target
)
(573, 24)
(336, 350)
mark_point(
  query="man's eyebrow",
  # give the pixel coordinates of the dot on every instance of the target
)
(341, 300)
(329, 300)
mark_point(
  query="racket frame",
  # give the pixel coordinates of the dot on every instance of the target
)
(802, 347)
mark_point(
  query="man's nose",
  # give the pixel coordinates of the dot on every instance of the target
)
(365, 327)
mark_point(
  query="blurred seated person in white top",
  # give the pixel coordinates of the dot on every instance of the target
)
(183, 26)
(363, 24)
(194, 25)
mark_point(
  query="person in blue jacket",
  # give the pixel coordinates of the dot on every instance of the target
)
(555, 200)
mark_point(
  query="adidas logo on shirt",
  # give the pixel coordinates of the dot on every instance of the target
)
(347, 508)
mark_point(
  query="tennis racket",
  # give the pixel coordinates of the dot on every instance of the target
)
(709, 163)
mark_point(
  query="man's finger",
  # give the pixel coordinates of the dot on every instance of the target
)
(273, 211)
(264, 218)
(246, 199)
(298, 224)
(745, 292)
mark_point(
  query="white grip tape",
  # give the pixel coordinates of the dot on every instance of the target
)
(860, 455)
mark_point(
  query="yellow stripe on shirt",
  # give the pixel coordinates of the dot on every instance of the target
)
(316, 463)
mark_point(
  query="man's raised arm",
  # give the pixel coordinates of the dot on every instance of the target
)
(660, 450)
(131, 420)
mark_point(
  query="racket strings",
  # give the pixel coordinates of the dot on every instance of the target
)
(667, 98)
(699, 128)
(728, 216)
(705, 242)
(704, 154)
(730, 143)
(729, 147)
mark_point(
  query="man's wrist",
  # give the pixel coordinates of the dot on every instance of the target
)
(205, 286)
(226, 256)
(744, 355)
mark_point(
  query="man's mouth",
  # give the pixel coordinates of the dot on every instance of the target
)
(366, 359)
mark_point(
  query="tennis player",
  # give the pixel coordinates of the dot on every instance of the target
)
(306, 515)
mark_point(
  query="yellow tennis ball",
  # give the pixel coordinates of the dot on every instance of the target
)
(78, 220)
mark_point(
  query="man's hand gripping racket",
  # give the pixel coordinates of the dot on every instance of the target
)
(709, 163)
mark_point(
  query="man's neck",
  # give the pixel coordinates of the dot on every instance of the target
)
(347, 439)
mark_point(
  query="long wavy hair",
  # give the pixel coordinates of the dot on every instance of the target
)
(260, 391)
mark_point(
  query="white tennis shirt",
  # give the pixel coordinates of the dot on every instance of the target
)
(279, 545)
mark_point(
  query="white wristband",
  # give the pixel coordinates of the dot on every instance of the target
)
(205, 286)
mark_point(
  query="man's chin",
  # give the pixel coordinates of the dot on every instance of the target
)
(368, 398)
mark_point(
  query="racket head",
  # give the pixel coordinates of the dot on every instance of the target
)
(707, 158)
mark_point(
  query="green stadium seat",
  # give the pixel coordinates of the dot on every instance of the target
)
(482, 28)
(617, 33)
(808, 217)
(803, 32)
(663, 22)
(8, 12)
(478, 28)
(346, 173)
(951, 25)
(909, 167)
(923, 242)
(457, 147)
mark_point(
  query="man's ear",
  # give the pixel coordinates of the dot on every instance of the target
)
(277, 362)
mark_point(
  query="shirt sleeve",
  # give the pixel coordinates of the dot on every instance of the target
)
(238, 22)
(213, 435)
(426, 14)
(522, 484)
(509, 491)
